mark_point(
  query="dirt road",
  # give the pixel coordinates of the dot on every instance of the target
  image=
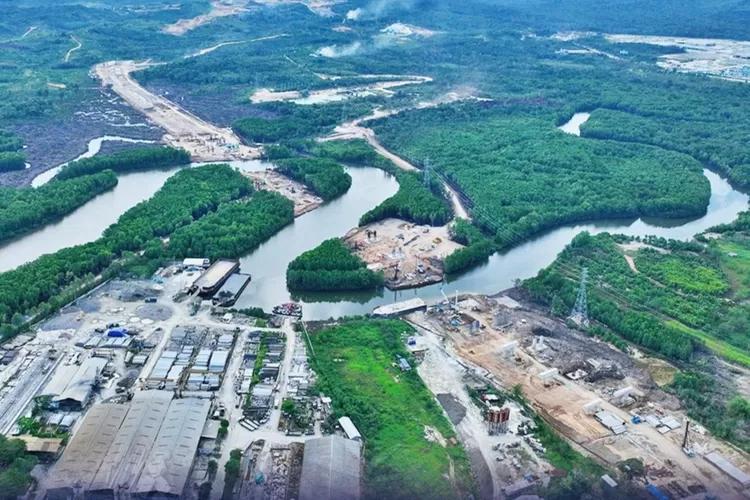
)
(355, 130)
(204, 141)
(218, 9)
(207, 50)
(70, 52)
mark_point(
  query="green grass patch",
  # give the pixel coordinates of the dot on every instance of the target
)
(737, 267)
(355, 363)
(720, 348)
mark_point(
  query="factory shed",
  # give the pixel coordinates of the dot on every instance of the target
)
(350, 429)
(168, 464)
(80, 386)
(331, 469)
(41, 445)
(86, 451)
(126, 456)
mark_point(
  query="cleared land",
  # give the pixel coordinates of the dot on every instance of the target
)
(204, 141)
(725, 58)
(219, 8)
(545, 343)
(401, 257)
(270, 180)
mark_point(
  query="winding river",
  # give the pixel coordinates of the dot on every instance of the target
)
(370, 186)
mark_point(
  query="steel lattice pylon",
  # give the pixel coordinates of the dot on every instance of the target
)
(580, 312)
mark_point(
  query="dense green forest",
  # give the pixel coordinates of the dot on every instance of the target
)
(711, 143)
(331, 266)
(543, 177)
(234, 230)
(413, 202)
(12, 161)
(323, 176)
(286, 121)
(23, 210)
(11, 156)
(355, 366)
(42, 286)
(126, 161)
(15, 468)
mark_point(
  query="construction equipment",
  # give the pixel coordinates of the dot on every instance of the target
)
(685, 445)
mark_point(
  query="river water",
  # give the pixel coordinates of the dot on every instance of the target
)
(267, 264)
(93, 148)
(88, 222)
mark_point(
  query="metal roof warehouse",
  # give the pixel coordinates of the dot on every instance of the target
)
(331, 469)
(146, 447)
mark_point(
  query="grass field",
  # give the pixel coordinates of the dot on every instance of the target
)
(355, 362)
(737, 268)
(720, 348)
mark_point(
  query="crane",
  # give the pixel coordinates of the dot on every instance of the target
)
(685, 445)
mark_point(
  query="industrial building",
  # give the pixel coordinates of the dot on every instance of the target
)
(331, 469)
(350, 429)
(211, 281)
(127, 453)
(86, 451)
(72, 386)
(143, 448)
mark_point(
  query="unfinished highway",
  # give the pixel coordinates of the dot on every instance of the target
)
(204, 141)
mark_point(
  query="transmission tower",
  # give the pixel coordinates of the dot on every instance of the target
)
(426, 175)
(580, 313)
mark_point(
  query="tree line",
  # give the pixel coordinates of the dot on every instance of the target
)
(323, 176)
(234, 230)
(414, 201)
(11, 156)
(284, 121)
(15, 468)
(331, 266)
(26, 209)
(126, 161)
(43, 285)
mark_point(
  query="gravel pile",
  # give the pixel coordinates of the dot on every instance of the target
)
(131, 291)
(155, 312)
(61, 322)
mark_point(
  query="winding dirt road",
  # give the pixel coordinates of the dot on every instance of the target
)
(70, 52)
(355, 130)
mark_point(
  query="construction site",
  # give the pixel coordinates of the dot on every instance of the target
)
(271, 180)
(597, 397)
(409, 255)
(204, 141)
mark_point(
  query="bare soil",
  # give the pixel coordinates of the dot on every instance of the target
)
(270, 180)
(561, 402)
(204, 141)
(400, 257)
(219, 8)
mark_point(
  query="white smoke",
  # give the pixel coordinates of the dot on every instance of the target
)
(377, 8)
(340, 50)
(353, 15)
